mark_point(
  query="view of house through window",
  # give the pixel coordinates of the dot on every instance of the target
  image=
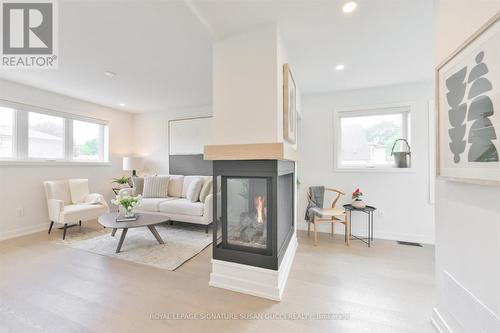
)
(45, 136)
(366, 140)
(6, 132)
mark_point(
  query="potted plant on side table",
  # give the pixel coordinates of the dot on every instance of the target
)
(123, 181)
(357, 199)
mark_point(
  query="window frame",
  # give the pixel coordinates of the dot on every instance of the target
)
(21, 137)
(406, 108)
(14, 136)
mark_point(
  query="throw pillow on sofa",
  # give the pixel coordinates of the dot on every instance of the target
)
(187, 182)
(206, 190)
(155, 187)
(194, 188)
(175, 186)
(138, 185)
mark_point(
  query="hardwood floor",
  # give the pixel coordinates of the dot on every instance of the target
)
(45, 287)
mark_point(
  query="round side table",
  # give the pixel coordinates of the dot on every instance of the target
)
(368, 210)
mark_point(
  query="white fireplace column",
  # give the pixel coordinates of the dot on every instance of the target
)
(248, 125)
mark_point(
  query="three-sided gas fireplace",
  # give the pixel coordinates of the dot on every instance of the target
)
(253, 211)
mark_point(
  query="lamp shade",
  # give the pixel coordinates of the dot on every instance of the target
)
(132, 163)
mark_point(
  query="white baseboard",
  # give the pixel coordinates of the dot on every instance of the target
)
(465, 310)
(418, 238)
(439, 323)
(424, 239)
(461, 310)
(24, 231)
(256, 281)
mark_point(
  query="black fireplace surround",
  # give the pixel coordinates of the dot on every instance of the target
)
(253, 211)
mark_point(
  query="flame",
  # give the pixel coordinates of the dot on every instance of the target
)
(259, 207)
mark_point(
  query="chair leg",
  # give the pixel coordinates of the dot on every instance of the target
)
(206, 228)
(333, 232)
(50, 227)
(308, 229)
(315, 235)
(64, 232)
(80, 223)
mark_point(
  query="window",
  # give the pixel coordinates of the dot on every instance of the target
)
(365, 137)
(33, 134)
(45, 136)
(87, 141)
(6, 132)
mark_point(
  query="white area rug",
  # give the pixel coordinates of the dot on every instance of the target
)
(182, 242)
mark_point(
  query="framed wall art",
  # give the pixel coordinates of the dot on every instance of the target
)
(468, 109)
(289, 105)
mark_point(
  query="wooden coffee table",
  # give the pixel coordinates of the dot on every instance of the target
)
(144, 220)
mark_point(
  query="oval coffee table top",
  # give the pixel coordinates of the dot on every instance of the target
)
(109, 220)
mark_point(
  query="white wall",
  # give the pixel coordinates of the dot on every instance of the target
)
(248, 87)
(21, 186)
(245, 95)
(189, 136)
(467, 216)
(151, 136)
(247, 98)
(402, 199)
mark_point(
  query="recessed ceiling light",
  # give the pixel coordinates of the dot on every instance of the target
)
(122, 104)
(109, 74)
(349, 7)
(339, 67)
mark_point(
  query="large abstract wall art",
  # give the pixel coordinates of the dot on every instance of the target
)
(468, 106)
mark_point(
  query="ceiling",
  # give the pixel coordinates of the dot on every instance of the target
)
(161, 50)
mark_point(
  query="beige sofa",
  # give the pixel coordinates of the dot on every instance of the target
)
(176, 207)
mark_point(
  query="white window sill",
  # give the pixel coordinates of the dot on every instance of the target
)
(7, 163)
(374, 170)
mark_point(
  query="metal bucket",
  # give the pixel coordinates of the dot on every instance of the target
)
(402, 159)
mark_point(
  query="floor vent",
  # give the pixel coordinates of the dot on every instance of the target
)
(409, 243)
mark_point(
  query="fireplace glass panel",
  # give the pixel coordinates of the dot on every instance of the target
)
(247, 202)
(218, 212)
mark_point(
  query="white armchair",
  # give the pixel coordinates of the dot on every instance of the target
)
(69, 202)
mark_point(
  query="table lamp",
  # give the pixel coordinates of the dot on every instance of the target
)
(133, 164)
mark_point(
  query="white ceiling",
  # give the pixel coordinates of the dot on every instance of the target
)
(161, 50)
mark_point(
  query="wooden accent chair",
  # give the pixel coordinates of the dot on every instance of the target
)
(329, 215)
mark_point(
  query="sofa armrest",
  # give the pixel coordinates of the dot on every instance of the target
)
(56, 207)
(208, 208)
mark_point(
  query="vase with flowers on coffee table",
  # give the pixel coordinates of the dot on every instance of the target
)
(143, 220)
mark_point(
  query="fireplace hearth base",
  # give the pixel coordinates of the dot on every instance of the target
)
(255, 281)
